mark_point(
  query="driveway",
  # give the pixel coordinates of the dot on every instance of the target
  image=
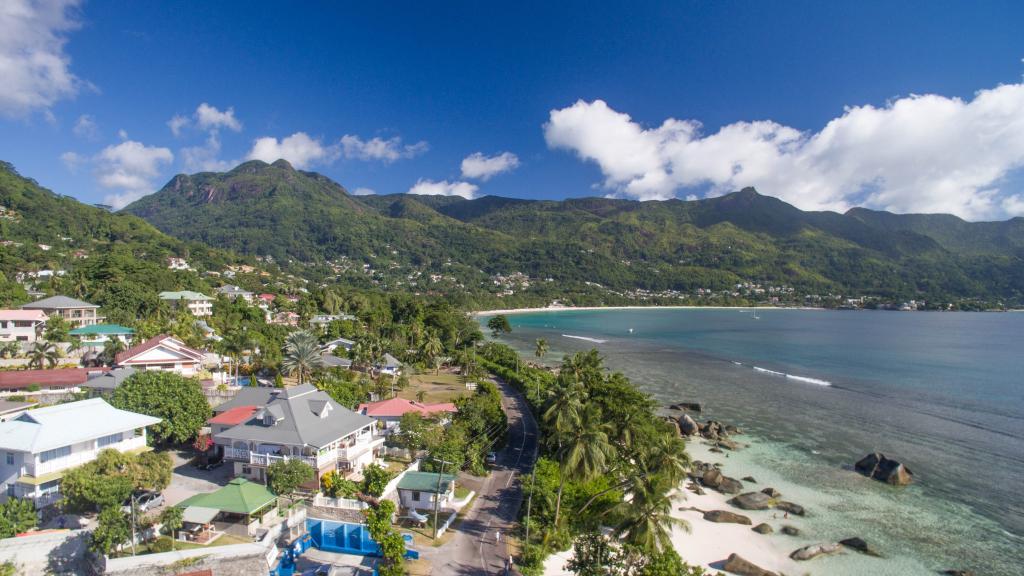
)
(187, 480)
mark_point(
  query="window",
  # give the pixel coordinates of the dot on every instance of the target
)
(49, 487)
(55, 453)
(10, 490)
(10, 458)
(416, 496)
(108, 440)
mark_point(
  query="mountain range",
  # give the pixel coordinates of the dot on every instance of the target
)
(304, 217)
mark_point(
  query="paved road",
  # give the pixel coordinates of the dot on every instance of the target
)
(475, 548)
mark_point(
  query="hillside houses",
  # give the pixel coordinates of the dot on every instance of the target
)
(165, 353)
(262, 426)
(74, 311)
(198, 304)
(41, 444)
(21, 325)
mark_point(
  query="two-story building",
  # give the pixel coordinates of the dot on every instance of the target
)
(262, 426)
(75, 311)
(162, 352)
(97, 335)
(197, 303)
(235, 292)
(21, 325)
(38, 447)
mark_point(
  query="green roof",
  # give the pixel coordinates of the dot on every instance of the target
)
(424, 482)
(101, 329)
(239, 497)
(186, 294)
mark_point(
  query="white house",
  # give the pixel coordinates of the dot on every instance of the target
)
(235, 292)
(419, 490)
(38, 447)
(197, 303)
(174, 263)
(162, 352)
(75, 311)
(21, 325)
(260, 426)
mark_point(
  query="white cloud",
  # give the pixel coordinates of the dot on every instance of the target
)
(364, 192)
(177, 123)
(210, 118)
(131, 168)
(298, 149)
(444, 188)
(482, 167)
(916, 154)
(377, 148)
(72, 160)
(36, 71)
(85, 127)
(204, 158)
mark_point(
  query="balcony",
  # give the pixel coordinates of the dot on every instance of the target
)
(81, 456)
(258, 459)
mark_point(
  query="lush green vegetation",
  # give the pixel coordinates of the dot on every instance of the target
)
(17, 515)
(606, 460)
(178, 401)
(108, 480)
(285, 476)
(618, 244)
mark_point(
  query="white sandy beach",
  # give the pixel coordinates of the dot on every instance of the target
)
(509, 311)
(708, 544)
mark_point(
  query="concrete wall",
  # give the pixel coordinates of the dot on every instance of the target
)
(50, 553)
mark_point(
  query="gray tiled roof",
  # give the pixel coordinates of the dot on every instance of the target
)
(297, 411)
(109, 380)
(57, 303)
(248, 396)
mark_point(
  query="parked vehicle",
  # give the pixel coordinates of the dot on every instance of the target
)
(492, 458)
(212, 465)
(143, 501)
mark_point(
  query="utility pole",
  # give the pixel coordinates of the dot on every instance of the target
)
(133, 522)
(437, 495)
(529, 504)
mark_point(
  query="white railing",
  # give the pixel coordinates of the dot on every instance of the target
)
(236, 453)
(257, 459)
(46, 499)
(356, 450)
(340, 503)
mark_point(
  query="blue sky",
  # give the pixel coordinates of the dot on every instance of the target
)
(918, 107)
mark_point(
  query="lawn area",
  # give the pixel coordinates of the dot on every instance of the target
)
(224, 540)
(443, 387)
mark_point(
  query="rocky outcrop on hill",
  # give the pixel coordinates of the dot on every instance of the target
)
(877, 466)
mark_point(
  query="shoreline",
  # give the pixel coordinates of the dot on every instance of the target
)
(708, 544)
(511, 311)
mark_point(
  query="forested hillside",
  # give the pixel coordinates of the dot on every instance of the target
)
(274, 210)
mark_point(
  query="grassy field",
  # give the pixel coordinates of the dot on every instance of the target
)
(443, 387)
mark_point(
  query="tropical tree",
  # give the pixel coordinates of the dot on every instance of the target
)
(301, 355)
(542, 348)
(10, 350)
(179, 402)
(647, 517)
(421, 395)
(43, 353)
(584, 450)
(499, 325)
(114, 529)
(111, 349)
(432, 350)
(285, 476)
(171, 518)
(17, 515)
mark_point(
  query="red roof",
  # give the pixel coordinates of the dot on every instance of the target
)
(267, 297)
(59, 378)
(396, 407)
(234, 416)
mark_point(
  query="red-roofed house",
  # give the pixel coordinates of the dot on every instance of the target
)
(390, 411)
(21, 325)
(231, 418)
(268, 298)
(58, 379)
(162, 352)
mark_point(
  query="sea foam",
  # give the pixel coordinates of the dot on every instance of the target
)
(588, 339)
(806, 379)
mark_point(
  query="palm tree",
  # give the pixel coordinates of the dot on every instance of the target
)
(647, 516)
(432, 349)
(421, 395)
(301, 355)
(542, 348)
(584, 450)
(43, 353)
(111, 349)
(171, 518)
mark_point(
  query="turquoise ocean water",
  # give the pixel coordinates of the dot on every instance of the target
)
(942, 392)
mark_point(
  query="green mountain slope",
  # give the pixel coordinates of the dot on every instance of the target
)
(116, 260)
(619, 244)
